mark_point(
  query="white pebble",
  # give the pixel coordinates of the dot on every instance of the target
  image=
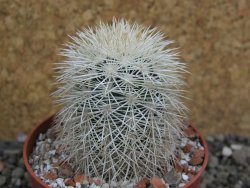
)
(92, 186)
(41, 167)
(183, 142)
(54, 185)
(199, 145)
(123, 184)
(226, 151)
(184, 177)
(105, 185)
(31, 161)
(183, 162)
(36, 158)
(54, 160)
(60, 182)
(163, 181)
(47, 162)
(45, 180)
(78, 185)
(48, 167)
(236, 146)
(201, 148)
(113, 184)
(52, 152)
(186, 157)
(36, 167)
(40, 137)
(130, 185)
(192, 143)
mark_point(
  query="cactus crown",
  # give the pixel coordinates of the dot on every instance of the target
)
(122, 111)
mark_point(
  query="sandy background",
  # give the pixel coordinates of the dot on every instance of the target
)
(213, 36)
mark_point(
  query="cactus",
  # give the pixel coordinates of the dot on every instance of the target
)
(122, 110)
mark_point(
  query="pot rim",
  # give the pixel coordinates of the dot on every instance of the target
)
(26, 152)
(205, 160)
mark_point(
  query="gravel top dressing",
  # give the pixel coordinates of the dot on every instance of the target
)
(229, 165)
(48, 163)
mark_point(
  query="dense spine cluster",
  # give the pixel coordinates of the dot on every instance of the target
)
(120, 87)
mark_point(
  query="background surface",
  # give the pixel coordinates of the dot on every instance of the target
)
(213, 38)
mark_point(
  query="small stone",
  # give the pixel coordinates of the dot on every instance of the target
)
(183, 163)
(47, 162)
(66, 170)
(242, 156)
(184, 177)
(196, 161)
(182, 184)
(17, 173)
(172, 177)
(143, 183)
(105, 185)
(187, 148)
(192, 143)
(199, 153)
(113, 184)
(179, 168)
(97, 181)
(191, 175)
(54, 185)
(48, 167)
(226, 151)
(183, 142)
(41, 137)
(50, 133)
(52, 152)
(50, 176)
(87, 186)
(220, 137)
(210, 138)
(236, 146)
(186, 158)
(157, 183)
(54, 160)
(18, 182)
(78, 185)
(93, 186)
(80, 179)
(213, 162)
(70, 182)
(189, 131)
(2, 180)
(21, 137)
(12, 152)
(124, 184)
(60, 182)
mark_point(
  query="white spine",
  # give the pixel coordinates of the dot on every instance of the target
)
(122, 114)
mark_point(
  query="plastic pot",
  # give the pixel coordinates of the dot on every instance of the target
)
(36, 182)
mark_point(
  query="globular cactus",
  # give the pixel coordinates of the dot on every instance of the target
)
(120, 87)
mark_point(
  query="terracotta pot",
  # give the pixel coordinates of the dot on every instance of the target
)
(44, 125)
